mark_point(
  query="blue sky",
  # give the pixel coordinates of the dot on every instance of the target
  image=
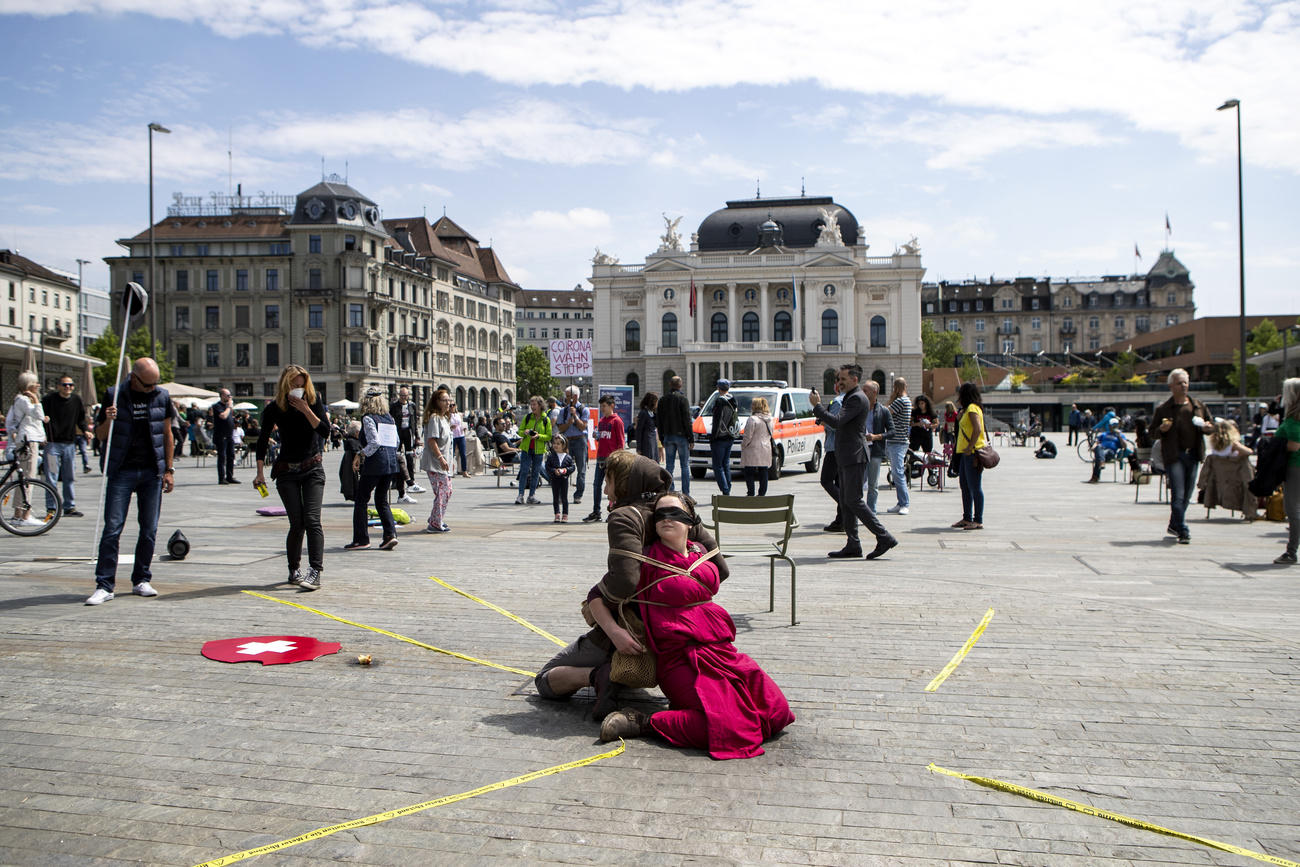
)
(1011, 138)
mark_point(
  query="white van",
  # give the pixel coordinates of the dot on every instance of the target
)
(797, 436)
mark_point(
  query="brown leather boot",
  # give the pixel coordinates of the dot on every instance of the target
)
(626, 723)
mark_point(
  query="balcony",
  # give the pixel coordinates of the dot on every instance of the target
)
(379, 299)
(1068, 328)
(1013, 330)
(412, 340)
(307, 292)
(740, 346)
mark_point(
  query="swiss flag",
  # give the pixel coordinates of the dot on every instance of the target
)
(269, 649)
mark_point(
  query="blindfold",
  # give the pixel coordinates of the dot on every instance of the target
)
(673, 513)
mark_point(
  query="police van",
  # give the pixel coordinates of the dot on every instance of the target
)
(797, 438)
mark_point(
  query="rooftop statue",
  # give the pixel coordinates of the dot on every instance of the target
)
(830, 234)
(911, 248)
(603, 258)
(670, 241)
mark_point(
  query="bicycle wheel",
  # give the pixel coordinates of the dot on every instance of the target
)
(13, 498)
(1084, 449)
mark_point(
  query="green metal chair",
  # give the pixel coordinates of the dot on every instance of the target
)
(737, 512)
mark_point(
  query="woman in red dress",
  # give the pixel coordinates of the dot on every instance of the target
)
(719, 699)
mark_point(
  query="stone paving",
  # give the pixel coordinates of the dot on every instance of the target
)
(1121, 670)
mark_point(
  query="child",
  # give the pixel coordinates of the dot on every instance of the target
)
(719, 699)
(559, 467)
(609, 439)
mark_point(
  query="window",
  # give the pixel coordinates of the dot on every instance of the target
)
(1033, 303)
(1118, 299)
(182, 281)
(1067, 324)
(1172, 299)
(1142, 323)
(212, 317)
(273, 316)
(1094, 343)
(1067, 302)
(965, 307)
(830, 328)
(568, 332)
(718, 328)
(356, 355)
(182, 317)
(268, 389)
(315, 315)
(979, 344)
(719, 296)
(1094, 299)
(356, 316)
(213, 282)
(979, 324)
(272, 280)
(751, 295)
(532, 333)
(1006, 326)
(631, 336)
(349, 242)
(1067, 346)
(241, 315)
(1036, 323)
(545, 333)
(314, 279)
(782, 328)
(316, 354)
(182, 351)
(241, 280)
(929, 307)
(668, 331)
(1036, 346)
(878, 331)
(1007, 303)
(279, 248)
(241, 355)
(313, 243)
(1008, 346)
(200, 249)
(272, 355)
(1119, 323)
(212, 354)
(178, 249)
(749, 327)
(1094, 322)
(1171, 319)
(953, 325)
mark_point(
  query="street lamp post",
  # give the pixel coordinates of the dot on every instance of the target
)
(153, 308)
(80, 305)
(1241, 261)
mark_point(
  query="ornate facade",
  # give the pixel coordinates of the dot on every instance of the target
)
(768, 289)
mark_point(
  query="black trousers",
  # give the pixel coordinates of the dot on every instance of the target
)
(225, 447)
(302, 496)
(830, 480)
(854, 506)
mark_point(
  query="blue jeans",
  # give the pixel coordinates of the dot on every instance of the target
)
(60, 464)
(871, 469)
(578, 451)
(1182, 481)
(530, 467)
(81, 449)
(674, 447)
(972, 489)
(146, 484)
(898, 466)
(598, 495)
(721, 451)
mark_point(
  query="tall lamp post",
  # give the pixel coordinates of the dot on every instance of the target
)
(1241, 260)
(153, 308)
(81, 263)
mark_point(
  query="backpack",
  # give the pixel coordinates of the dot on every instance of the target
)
(733, 420)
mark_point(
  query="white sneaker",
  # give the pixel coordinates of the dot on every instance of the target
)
(901, 510)
(407, 498)
(29, 521)
(894, 510)
(415, 489)
(144, 588)
(99, 596)
(519, 500)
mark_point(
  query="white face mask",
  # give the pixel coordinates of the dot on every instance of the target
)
(297, 392)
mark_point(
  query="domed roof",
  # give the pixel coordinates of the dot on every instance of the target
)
(332, 201)
(738, 226)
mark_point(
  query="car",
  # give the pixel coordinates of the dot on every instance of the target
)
(797, 436)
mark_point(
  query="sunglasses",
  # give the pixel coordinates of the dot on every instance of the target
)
(66, 384)
(153, 384)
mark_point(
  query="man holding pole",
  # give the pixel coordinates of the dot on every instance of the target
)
(135, 423)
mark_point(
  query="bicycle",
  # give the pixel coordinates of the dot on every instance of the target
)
(1085, 445)
(16, 495)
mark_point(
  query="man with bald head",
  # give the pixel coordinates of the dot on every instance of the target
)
(135, 422)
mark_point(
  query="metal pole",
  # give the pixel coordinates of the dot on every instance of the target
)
(153, 315)
(1241, 266)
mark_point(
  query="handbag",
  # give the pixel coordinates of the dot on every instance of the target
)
(987, 457)
(633, 669)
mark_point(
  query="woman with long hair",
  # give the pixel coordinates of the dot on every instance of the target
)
(436, 460)
(377, 464)
(923, 424)
(299, 414)
(25, 422)
(756, 447)
(1289, 430)
(971, 437)
(645, 430)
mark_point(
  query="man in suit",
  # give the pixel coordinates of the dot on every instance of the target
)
(851, 455)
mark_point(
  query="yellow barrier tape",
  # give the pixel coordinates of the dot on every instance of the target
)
(393, 635)
(1045, 798)
(499, 610)
(406, 811)
(961, 654)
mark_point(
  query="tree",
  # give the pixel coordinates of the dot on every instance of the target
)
(938, 348)
(1123, 368)
(138, 345)
(1264, 337)
(533, 374)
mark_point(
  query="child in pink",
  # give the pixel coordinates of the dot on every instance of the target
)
(719, 698)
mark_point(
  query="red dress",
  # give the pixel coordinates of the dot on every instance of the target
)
(720, 700)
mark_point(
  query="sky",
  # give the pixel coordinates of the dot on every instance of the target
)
(1011, 138)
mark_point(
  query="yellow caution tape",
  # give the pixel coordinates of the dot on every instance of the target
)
(393, 635)
(499, 610)
(406, 811)
(1106, 814)
(961, 654)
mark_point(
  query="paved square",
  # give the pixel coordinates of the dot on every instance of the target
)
(1121, 670)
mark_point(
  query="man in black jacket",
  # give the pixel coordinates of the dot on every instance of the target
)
(675, 427)
(65, 423)
(720, 438)
(851, 455)
(405, 414)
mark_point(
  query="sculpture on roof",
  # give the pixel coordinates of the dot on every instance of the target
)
(603, 258)
(670, 241)
(830, 234)
(911, 248)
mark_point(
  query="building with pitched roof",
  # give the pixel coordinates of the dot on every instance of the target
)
(323, 280)
(38, 323)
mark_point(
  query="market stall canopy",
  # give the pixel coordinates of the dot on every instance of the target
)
(344, 404)
(176, 389)
(246, 405)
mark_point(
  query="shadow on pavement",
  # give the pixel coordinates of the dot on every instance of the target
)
(1256, 567)
(209, 592)
(50, 599)
(1166, 542)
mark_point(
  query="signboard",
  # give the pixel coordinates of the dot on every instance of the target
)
(570, 357)
(624, 401)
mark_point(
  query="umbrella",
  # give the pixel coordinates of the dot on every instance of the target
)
(245, 405)
(29, 358)
(344, 404)
(176, 389)
(88, 396)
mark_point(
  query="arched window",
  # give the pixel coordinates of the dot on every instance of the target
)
(483, 399)
(632, 336)
(668, 331)
(496, 397)
(492, 341)
(828, 381)
(878, 331)
(482, 338)
(830, 328)
(751, 295)
(460, 397)
(510, 396)
(879, 376)
(668, 381)
(444, 331)
(719, 296)
(460, 335)
(634, 381)
(472, 339)
(718, 328)
(669, 294)
(507, 344)
(749, 327)
(781, 328)
(473, 398)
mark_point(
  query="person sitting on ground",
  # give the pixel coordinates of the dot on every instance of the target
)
(719, 699)
(1046, 449)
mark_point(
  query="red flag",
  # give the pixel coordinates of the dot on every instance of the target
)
(692, 296)
(1167, 229)
(1136, 251)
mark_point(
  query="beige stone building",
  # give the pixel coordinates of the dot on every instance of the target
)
(322, 280)
(784, 289)
(38, 324)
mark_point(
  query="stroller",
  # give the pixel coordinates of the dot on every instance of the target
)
(920, 464)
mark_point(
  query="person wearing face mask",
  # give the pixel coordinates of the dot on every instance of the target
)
(298, 412)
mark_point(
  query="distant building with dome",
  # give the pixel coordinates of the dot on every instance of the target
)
(783, 289)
